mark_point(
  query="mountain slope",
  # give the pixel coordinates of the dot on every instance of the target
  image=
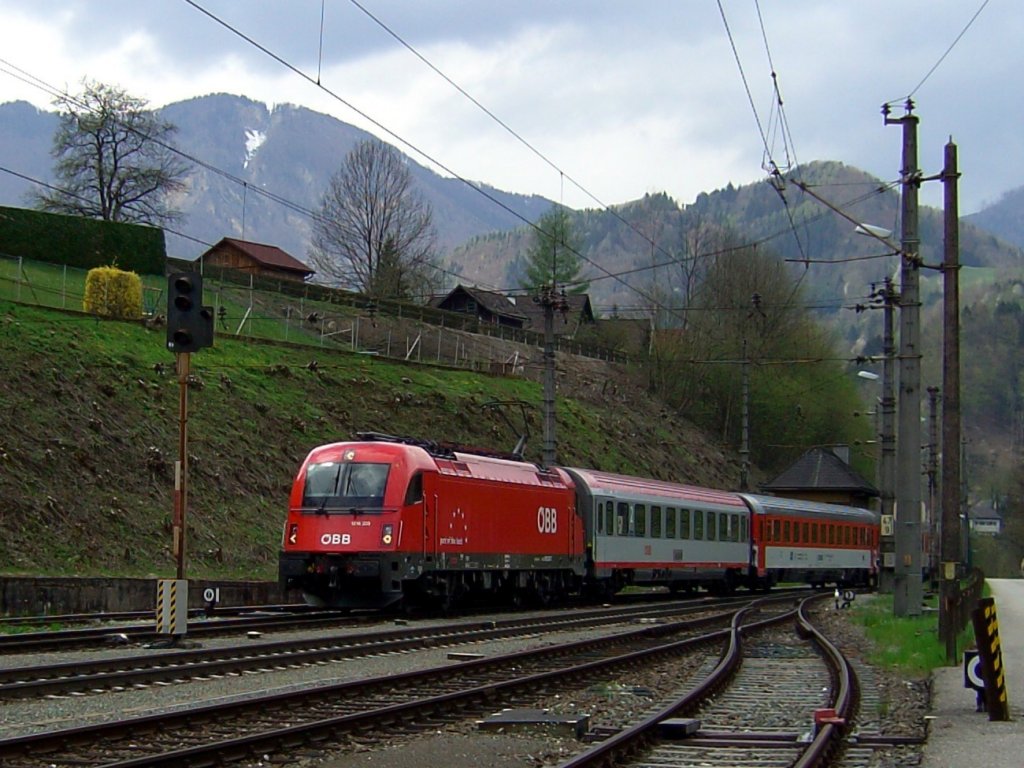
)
(1005, 218)
(627, 240)
(248, 151)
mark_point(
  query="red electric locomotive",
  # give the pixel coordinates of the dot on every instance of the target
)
(378, 520)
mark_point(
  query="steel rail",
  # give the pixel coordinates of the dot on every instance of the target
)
(300, 700)
(21, 682)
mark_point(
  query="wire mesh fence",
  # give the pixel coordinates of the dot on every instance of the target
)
(251, 306)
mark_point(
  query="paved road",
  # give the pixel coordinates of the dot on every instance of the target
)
(959, 737)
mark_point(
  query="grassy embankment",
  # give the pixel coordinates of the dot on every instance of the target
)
(909, 645)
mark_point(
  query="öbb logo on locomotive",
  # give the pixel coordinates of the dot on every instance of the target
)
(434, 525)
(547, 520)
(335, 539)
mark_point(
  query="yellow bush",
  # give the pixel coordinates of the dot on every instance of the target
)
(112, 292)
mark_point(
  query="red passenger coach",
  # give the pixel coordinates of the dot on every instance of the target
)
(808, 542)
(376, 521)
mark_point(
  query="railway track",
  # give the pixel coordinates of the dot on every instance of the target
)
(277, 724)
(118, 673)
(92, 637)
(764, 703)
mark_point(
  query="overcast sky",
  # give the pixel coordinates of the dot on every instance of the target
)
(623, 97)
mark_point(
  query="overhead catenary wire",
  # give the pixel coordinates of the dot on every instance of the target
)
(313, 214)
(942, 58)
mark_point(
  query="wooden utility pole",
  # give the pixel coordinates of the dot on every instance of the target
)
(887, 470)
(745, 427)
(908, 591)
(950, 535)
(551, 300)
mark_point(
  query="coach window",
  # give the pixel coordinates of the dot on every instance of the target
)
(796, 533)
(785, 531)
(711, 526)
(622, 519)
(814, 533)
(776, 530)
(734, 528)
(609, 517)
(655, 522)
(599, 516)
(831, 534)
(698, 524)
(684, 524)
(805, 534)
(743, 528)
(670, 523)
(640, 520)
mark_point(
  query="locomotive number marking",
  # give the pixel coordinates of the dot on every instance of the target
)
(335, 538)
(547, 520)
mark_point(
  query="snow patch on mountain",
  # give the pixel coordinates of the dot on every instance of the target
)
(253, 140)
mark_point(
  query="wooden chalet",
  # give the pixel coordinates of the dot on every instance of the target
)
(824, 475)
(257, 259)
(579, 314)
(487, 306)
(515, 312)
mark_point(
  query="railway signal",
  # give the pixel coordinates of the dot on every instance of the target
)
(189, 323)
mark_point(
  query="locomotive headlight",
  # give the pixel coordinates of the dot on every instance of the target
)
(293, 533)
(387, 534)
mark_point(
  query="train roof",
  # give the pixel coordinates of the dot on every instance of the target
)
(452, 463)
(803, 508)
(623, 485)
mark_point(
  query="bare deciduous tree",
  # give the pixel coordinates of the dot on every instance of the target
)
(375, 232)
(113, 159)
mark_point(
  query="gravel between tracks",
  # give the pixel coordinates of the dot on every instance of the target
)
(459, 744)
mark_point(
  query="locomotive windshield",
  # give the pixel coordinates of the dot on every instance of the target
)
(345, 485)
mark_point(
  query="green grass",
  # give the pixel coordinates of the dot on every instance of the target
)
(910, 645)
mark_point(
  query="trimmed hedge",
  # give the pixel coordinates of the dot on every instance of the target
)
(112, 292)
(81, 242)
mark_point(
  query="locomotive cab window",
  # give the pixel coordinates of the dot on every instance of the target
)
(414, 493)
(345, 485)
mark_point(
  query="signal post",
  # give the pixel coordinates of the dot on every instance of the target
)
(189, 329)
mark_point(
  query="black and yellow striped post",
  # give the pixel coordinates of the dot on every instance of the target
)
(986, 633)
(171, 606)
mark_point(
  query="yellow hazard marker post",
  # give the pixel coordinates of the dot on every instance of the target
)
(986, 633)
(172, 606)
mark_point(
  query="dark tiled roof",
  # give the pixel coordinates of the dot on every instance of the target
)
(579, 311)
(821, 470)
(267, 255)
(494, 302)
